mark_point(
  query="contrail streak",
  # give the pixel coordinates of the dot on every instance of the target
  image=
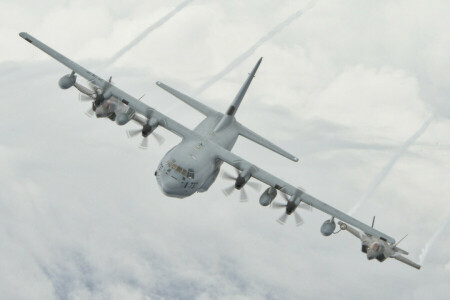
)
(140, 37)
(238, 60)
(432, 240)
(387, 168)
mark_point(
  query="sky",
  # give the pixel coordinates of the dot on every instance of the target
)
(343, 86)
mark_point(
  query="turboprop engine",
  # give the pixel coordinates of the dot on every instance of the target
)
(122, 118)
(268, 196)
(328, 227)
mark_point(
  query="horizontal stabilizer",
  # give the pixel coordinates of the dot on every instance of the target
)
(407, 261)
(401, 250)
(207, 111)
(247, 133)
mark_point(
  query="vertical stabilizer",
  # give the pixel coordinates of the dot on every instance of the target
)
(240, 95)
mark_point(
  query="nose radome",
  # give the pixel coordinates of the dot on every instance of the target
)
(171, 187)
(370, 255)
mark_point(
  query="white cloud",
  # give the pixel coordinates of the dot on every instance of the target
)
(81, 214)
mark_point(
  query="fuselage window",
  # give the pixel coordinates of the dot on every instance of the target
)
(190, 173)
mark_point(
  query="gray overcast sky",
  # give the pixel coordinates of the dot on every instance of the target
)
(341, 87)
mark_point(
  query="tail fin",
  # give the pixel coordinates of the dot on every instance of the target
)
(244, 131)
(240, 95)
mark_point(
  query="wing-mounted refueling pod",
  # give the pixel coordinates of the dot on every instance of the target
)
(268, 196)
(104, 105)
(328, 227)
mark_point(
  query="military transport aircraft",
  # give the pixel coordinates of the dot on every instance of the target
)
(194, 164)
(378, 248)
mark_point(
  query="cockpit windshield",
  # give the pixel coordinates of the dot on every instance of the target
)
(188, 173)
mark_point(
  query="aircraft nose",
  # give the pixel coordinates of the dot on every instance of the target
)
(171, 186)
(371, 254)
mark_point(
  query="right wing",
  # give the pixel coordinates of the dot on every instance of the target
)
(407, 261)
(140, 107)
(271, 180)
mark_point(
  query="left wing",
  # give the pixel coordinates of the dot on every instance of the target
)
(285, 187)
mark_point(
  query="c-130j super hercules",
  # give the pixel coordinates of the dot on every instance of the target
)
(194, 164)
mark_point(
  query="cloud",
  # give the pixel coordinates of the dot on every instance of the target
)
(387, 168)
(432, 240)
(238, 60)
(81, 214)
(144, 34)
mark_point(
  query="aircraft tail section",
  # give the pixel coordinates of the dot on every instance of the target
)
(197, 105)
(247, 133)
(240, 95)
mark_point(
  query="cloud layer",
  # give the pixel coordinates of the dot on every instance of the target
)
(81, 214)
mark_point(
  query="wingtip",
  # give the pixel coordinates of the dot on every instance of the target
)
(26, 37)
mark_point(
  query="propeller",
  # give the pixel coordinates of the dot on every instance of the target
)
(290, 206)
(94, 94)
(145, 133)
(243, 194)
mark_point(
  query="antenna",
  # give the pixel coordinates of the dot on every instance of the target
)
(373, 221)
(400, 240)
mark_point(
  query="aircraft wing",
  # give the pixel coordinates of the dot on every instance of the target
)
(125, 98)
(273, 181)
(407, 261)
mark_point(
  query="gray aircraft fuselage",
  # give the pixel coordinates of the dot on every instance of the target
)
(190, 167)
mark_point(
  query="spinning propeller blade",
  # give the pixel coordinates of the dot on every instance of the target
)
(298, 219)
(131, 133)
(243, 197)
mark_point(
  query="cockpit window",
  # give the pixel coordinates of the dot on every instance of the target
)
(179, 169)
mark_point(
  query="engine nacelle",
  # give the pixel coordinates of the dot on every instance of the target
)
(123, 118)
(268, 196)
(328, 227)
(67, 81)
